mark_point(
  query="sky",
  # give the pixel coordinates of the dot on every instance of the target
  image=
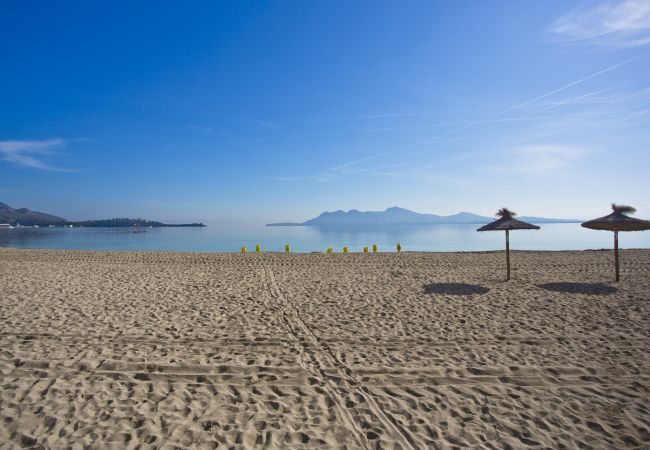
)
(273, 111)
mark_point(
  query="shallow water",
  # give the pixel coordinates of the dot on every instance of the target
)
(220, 238)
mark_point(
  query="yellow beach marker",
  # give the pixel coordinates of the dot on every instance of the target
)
(399, 247)
(365, 249)
(374, 248)
(287, 248)
(258, 249)
(243, 249)
(330, 250)
(345, 249)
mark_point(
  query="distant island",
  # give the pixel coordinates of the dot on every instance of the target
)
(401, 216)
(29, 218)
(125, 222)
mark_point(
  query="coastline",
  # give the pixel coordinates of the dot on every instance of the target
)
(447, 238)
(416, 349)
(251, 252)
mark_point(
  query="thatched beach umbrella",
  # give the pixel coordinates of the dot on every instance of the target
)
(618, 221)
(507, 223)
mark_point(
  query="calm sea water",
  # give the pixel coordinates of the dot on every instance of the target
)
(216, 238)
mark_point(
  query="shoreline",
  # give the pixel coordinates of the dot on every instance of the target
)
(316, 252)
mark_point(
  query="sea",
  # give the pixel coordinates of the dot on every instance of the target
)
(232, 237)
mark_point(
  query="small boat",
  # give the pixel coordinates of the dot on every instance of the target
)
(137, 229)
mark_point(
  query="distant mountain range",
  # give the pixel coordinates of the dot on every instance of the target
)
(27, 217)
(397, 216)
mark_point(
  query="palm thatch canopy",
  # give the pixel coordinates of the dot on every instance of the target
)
(618, 221)
(507, 222)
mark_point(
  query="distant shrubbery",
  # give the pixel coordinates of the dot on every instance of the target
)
(125, 222)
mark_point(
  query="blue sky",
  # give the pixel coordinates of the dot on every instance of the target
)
(280, 110)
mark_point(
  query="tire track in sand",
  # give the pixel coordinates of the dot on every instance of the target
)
(299, 330)
(307, 360)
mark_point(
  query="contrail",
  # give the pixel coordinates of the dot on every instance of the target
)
(555, 91)
(568, 101)
(582, 80)
(523, 118)
(352, 163)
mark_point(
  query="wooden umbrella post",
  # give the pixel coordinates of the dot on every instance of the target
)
(508, 254)
(616, 252)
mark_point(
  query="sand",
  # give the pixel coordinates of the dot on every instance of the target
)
(411, 350)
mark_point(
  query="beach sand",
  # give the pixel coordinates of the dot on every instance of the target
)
(411, 350)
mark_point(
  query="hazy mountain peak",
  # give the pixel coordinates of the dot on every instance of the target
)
(396, 215)
(26, 216)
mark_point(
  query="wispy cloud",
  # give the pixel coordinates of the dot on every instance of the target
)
(333, 173)
(539, 159)
(395, 115)
(267, 124)
(291, 137)
(527, 103)
(563, 88)
(201, 128)
(405, 170)
(352, 163)
(31, 153)
(589, 98)
(621, 24)
(321, 178)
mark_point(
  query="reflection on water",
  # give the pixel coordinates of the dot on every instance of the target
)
(219, 238)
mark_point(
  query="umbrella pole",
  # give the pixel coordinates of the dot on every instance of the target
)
(616, 252)
(508, 253)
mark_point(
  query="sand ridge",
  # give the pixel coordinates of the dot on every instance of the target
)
(416, 350)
